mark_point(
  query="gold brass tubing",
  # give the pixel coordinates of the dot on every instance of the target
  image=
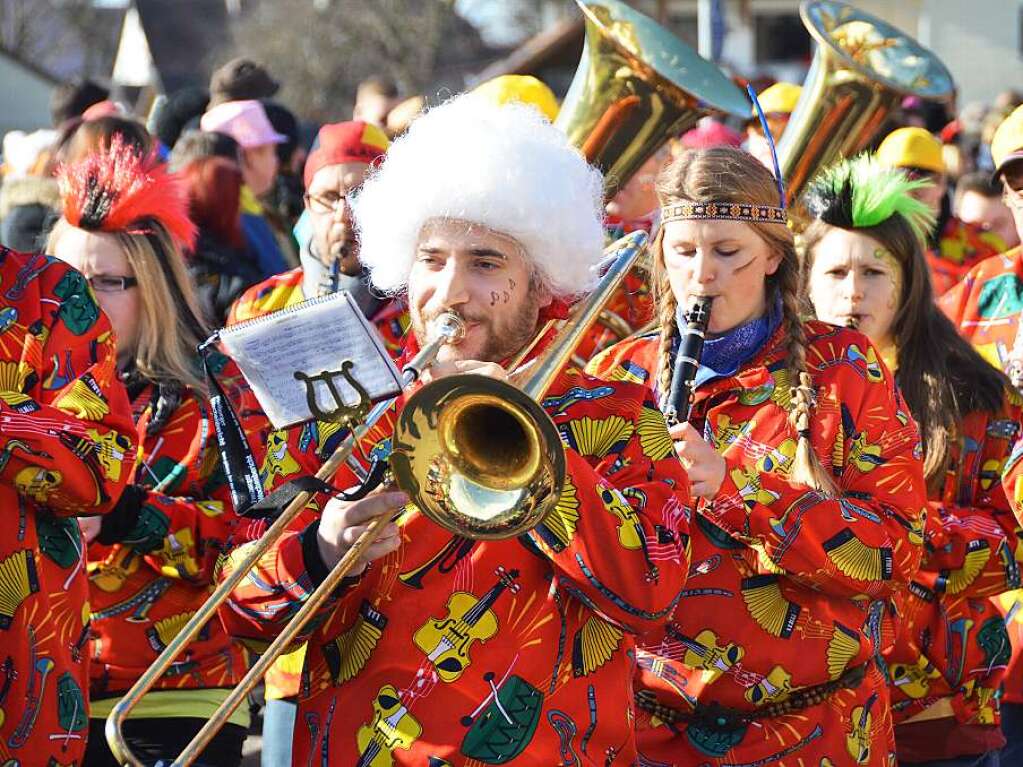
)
(449, 328)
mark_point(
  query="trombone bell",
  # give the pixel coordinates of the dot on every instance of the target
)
(481, 458)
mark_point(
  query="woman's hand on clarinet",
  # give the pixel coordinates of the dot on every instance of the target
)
(703, 464)
(343, 522)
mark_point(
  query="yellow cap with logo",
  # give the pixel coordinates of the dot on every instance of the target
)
(911, 148)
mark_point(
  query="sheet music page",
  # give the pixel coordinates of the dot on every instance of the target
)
(314, 338)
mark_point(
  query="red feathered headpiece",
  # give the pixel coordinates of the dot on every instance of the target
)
(118, 190)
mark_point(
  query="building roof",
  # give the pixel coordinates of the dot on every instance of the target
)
(556, 47)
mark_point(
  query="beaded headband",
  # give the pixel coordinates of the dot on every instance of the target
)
(731, 211)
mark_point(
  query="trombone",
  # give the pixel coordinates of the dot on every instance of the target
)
(449, 328)
(446, 458)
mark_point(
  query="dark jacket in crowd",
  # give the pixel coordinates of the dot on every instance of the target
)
(221, 273)
(28, 208)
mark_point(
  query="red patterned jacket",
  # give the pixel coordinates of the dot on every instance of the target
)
(66, 449)
(961, 246)
(986, 308)
(516, 651)
(148, 583)
(952, 648)
(788, 589)
(986, 305)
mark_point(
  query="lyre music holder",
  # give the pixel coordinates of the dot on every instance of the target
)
(341, 412)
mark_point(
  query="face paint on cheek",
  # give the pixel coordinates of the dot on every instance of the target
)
(745, 266)
(894, 274)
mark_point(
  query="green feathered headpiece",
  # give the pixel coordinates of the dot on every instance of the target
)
(862, 193)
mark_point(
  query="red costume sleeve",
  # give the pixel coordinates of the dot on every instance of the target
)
(972, 534)
(618, 536)
(69, 446)
(868, 541)
(620, 533)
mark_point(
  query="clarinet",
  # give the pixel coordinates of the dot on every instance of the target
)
(687, 360)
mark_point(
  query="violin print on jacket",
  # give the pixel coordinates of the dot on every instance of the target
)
(519, 651)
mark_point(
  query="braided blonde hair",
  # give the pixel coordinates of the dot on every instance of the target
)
(727, 174)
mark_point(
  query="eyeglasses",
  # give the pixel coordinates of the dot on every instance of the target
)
(1012, 191)
(325, 203)
(110, 283)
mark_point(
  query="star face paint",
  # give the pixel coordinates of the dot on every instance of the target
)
(854, 280)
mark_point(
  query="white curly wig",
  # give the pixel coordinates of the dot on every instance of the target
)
(504, 167)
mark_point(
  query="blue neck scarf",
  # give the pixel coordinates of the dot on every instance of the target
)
(723, 355)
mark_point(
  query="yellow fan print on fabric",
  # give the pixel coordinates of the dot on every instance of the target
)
(83, 401)
(163, 631)
(977, 554)
(843, 646)
(596, 437)
(653, 434)
(348, 654)
(856, 559)
(559, 526)
(13, 376)
(594, 645)
(768, 606)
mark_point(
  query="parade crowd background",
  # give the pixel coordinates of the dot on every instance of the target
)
(259, 214)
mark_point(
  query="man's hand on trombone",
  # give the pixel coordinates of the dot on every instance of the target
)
(342, 522)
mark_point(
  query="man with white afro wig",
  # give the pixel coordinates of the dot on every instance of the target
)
(474, 173)
(441, 650)
(502, 167)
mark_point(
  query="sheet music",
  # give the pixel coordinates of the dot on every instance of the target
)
(313, 338)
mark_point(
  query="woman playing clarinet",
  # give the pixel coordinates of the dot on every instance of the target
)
(811, 493)
(865, 265)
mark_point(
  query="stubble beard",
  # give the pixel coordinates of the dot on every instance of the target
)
(500, 342)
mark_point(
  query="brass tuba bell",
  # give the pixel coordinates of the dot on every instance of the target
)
(637, 85)
(861, 70)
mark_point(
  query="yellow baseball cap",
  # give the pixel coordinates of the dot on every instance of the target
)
(526, 89)
(779, 98)
(911, 148)
(1007, 143)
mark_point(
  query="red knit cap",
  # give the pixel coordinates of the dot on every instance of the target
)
(337, 143)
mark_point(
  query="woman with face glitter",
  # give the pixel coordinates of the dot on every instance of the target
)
(864, 265)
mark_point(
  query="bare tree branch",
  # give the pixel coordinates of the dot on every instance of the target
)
(47, 33)
(320, 54)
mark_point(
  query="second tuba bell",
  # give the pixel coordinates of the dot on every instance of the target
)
(862, 69)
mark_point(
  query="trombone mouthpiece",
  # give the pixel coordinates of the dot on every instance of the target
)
(450, 327)
(852, 323)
